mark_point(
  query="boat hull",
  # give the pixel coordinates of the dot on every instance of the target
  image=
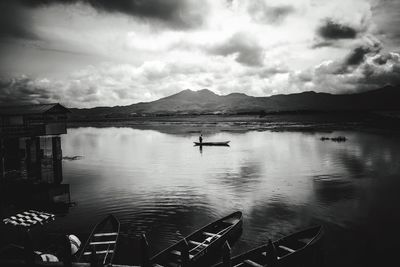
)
(202, 256)
(306, 254)
(103, 239)
(212, 143)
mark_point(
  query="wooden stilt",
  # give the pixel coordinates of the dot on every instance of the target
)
(2, 155)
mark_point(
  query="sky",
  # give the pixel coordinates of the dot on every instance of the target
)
(88, 53)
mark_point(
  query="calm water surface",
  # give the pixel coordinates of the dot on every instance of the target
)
(160, 184)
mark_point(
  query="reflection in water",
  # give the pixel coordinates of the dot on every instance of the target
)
(160, 184)
(329, 189)
(31, 175)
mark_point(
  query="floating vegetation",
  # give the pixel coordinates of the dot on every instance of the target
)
(72, 158)
(334, 139)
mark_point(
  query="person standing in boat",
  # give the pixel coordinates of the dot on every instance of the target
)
(201, 138)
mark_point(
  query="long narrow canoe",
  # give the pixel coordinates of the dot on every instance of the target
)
(292, 250)
(198, 247)
(226, 143)
(103, 240)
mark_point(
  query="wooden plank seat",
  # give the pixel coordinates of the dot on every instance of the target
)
(197, 243)
(198, 246)
(99, 252)
(265, 255)
(178, 253)
(286, 248)
(105, 234)
(102, 242)
(211, 234)
(251, 263)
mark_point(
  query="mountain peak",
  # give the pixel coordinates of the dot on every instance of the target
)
(206, 101)
(237, 95)
(202, 92)
(206, 92)
(186, 91)
(186, 95)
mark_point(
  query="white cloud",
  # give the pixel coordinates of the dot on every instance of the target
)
(87, 57)
(375, 71)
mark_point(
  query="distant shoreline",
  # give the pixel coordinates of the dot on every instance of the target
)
(310, 122)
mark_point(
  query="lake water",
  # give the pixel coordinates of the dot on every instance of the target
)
(160, 184)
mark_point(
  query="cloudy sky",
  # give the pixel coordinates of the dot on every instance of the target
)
(86, 53)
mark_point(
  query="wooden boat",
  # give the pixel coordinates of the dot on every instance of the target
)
(12, 251)
(102, 240)
(297, 249)
(212, 143)
(200, 246)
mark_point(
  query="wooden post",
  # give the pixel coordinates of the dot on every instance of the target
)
(67, 257)
(28, 249)
(57, 159)
(28, 157)
(38, 170)
(145, 251)
(185, 253)
(226, 255)
(2, 155)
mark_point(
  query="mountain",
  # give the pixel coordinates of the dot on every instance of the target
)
(206, 102)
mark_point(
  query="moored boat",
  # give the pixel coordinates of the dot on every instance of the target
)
(198, 247)
(226, 143)
(297, 249)
(102, 240)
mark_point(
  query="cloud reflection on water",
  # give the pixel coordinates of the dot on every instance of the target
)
(282, 181)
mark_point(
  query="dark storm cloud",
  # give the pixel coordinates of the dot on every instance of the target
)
(175, 13)
(333, 30)
(358, 54)
(356, 57)
(263, 13)
(383, 69)
(373, 71)
(15, 22)
(249, 51)
(23, 91)
(383, 59)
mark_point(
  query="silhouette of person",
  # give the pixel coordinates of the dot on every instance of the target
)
(201, 138)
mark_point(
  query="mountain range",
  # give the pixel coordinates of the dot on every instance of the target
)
(207, 102)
